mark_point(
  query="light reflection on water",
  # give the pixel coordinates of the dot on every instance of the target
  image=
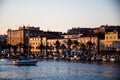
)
(59, 70)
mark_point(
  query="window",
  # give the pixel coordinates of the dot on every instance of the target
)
(115, 37)
(106, 37)
(110, 37)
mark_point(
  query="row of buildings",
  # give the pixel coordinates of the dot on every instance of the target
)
(104, 37)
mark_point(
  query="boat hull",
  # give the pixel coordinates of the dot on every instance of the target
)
(24, 62)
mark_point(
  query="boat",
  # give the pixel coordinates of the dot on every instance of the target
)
(27, 61)
(112, 59)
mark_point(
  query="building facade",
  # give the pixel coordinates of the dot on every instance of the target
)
(35, 43)
(15, 37)
(111, 41)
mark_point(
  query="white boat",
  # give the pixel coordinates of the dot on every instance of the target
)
(24, 62)
(3, 59)
(104, 59)
(112, 59)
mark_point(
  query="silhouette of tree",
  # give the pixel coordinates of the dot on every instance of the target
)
(83, 50)
(57, 46)
(76, 44)
(9, 46)
(51, 48)
(63, 47)
(41, 47)
(69, 43)
(15, 49)
(20, 45)
(89, 44)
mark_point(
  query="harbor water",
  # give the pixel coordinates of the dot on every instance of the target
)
(60, 70)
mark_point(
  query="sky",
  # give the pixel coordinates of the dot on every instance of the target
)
(58, 15)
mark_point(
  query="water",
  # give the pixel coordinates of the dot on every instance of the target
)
(60, 70)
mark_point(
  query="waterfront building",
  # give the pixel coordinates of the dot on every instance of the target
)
(80, 30)
(35, 43)
(94, 39)
(70, 35)
(3, 42)
(21, 35)
(111, 41)
(106, 28)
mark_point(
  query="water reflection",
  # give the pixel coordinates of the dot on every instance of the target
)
(60, 70)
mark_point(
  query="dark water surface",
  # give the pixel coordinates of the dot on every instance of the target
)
(60, 70)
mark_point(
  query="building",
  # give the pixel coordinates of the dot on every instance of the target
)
(70, 36)
(106, 28)
(15, 37)
(80, 30)
(35, 43)
(111, 41)
(85, 39)
(3, 41)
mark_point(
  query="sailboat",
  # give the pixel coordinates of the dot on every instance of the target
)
(27, 61)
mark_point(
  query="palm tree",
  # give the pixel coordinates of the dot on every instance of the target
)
(3, 46)
(15, 49)
(76, 44)
(51, 48)
(89, 45)
(20, 45)
(69, 43)
(25, 48)
(57, 46)
(63, 47)
(83, 49)
(41, 46)
(46, 48)
(9, 46)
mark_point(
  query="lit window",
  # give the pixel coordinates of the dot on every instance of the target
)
(110, 37)
(106, 37)
(115, 37)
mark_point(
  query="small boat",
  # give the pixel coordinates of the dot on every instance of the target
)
(27, 62)
(112, 59)
(3, 59)
(104, 59)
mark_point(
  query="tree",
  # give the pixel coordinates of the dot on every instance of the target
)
(25, 48)
(51, 48)
(63, 47)
(83, 49)
(20, 45)
(89, 44)
(15, 49)
(3, 46)
(9, 46)
(46, 48)
(41, 47)
(69, 43)
(76, 44)
(57, 46)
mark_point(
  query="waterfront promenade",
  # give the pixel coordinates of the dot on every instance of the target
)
(60, 70)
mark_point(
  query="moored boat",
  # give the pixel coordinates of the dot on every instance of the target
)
(24, 62)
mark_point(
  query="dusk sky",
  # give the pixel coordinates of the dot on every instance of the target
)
(58, 15)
